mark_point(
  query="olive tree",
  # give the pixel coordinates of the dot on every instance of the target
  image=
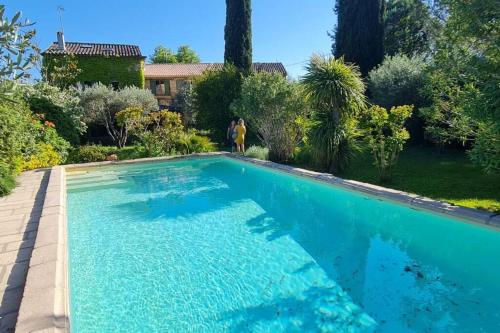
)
(277, 109)
(101, 103)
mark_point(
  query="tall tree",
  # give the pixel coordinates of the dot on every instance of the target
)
(238, 34)
(409, 28)
(184, 55)
(359, 34)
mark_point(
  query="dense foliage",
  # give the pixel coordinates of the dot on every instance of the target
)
(336, 92)
(400, 80)
(386, 135)
(101, 103)
(88, 154)
(238, 34)
(184, 103)
(214, 92)
(63, 71)
(359, 35)
(122, 71)
(61, 107)
(464, 82)
(157, 131)
(28, 140)
(409, 28)
(277, 109)
(184, 55)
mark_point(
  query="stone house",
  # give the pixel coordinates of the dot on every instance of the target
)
(164, 80)
(119, 65)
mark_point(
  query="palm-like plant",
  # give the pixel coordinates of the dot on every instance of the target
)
(336, 91)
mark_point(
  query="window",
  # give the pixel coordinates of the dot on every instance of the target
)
(115, 85)
(160, 87)
(180, 84)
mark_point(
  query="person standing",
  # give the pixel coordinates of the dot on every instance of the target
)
(231, 135)
(241, 130)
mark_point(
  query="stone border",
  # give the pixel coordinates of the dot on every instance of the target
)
(45, 303)
(44, 306)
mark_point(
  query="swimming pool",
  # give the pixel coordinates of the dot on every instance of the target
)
(219, 245)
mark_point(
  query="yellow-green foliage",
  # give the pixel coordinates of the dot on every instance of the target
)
(45, 156)
(127, 71)
(386, 136)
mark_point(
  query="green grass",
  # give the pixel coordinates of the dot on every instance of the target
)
(447, 176)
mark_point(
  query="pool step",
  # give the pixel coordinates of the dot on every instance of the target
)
(97, 185)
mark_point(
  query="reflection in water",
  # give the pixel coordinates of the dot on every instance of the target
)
(217, 246)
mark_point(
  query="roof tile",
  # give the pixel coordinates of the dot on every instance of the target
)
(187, 70)
(95, 49)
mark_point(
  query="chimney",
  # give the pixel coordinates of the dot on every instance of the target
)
(60, 41)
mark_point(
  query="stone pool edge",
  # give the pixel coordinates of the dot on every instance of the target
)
(45, 303)
(44, 306)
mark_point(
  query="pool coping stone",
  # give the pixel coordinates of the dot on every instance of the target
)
(45, 304)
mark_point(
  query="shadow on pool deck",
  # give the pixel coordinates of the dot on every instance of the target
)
(20, 213)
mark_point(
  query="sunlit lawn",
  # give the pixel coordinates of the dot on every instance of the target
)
(447, 176)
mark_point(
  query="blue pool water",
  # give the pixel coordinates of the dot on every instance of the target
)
(217, 245)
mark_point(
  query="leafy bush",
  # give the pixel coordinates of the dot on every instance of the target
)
(60, 107)
(45, 156)
(101, 103)
(336, 91)
(159, 132)
(214, 92)
(277, 109)
(486, 149)
(304, 155)
(261, 153)
(16, 131)
(386, 136)
(7, 178)
(400, 80)
(88, 153)
(184, 103)
(190, 142)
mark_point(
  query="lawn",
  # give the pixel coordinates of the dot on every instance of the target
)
(447, 176)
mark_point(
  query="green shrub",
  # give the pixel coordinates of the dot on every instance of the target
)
(60, 107)
(386, 135)
(214, 92)
(261, 153)
(88, 153)
(7, 179)
(400, 80)
(304, 156)
(17, 131)
(191, 142)
(45, 156)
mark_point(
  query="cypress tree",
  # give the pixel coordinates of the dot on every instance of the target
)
(359, 35)
(238, 34)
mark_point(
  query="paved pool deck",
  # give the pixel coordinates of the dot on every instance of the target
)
(20, 212)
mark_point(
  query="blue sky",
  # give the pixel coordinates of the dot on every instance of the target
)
(289, 31)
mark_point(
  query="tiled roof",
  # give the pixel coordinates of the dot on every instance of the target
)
(188, 70)
(94, 49)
